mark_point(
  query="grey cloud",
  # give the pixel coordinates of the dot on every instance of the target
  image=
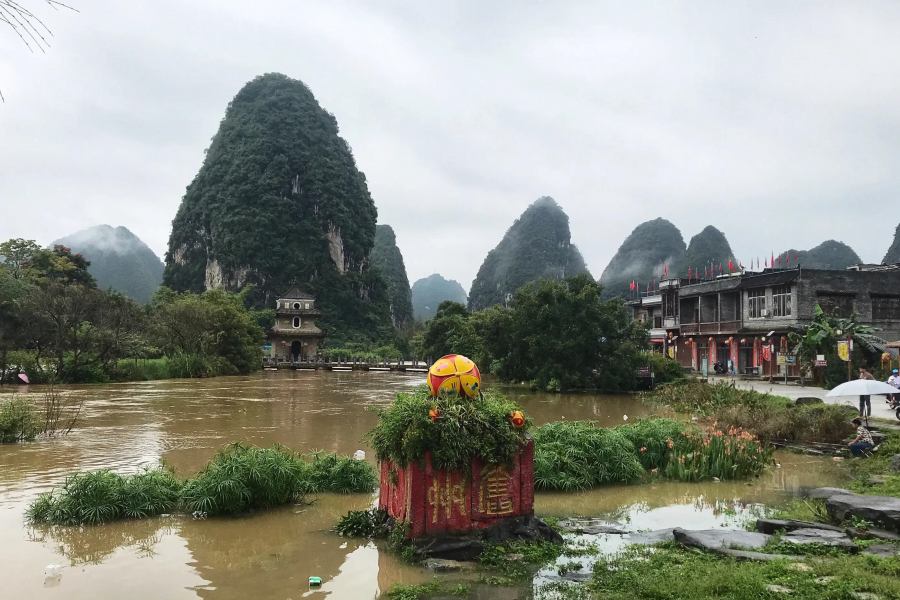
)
(775, 122)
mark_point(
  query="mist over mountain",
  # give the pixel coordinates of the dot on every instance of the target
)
(427, 293)
(119, 259)
(642, 257)
(537, 245)
(279, 199)
(387, 258)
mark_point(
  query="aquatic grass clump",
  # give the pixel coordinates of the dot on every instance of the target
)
(96, 497)
(703, 454)
(243, 477)
(700, 398)
(19, 420)
(341, 474)
(372, 523)
(239, 478)
(462, 429)
(578, 455)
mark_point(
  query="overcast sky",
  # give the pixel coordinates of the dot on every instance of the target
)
(779, 122)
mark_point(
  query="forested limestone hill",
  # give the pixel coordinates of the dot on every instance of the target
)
(279, 198)
(537, 245)
(387, 258)
(707, 248)
(893, 253)
(642, 257)
(427, 293)
(830, 254)
(119, 259)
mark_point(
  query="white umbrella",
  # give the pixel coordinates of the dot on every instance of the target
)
(862, 387)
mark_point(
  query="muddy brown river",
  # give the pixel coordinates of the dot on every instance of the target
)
(126, 427)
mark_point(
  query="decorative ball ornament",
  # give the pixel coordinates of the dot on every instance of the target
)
(454, 375)
(517, 418)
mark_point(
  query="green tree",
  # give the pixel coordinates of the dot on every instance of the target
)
(214, 324)
(449, 332)
(17, 256)
(561, 335)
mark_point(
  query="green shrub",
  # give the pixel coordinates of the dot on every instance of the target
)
(19, 420)
(815, 423)
(101, 496)
(700, 398)
(666, 370)
(463, 429)
(579, 454)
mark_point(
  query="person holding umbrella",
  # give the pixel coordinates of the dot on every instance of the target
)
(865, 402)
(863, 440)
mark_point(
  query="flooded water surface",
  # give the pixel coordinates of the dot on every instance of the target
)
(272, 554)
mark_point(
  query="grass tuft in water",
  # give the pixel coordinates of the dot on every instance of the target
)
(372, 523)
(239, 478)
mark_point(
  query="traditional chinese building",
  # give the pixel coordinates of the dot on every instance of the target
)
(295, 335)
(743, 319)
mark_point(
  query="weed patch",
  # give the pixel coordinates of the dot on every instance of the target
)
(19, 420)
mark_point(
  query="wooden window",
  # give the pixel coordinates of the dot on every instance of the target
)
(841, 303)
(886, 308)
(781, 299)
(757, 301)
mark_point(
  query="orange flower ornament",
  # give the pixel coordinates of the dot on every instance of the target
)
(517, 418)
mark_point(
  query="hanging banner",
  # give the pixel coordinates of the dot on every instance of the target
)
(767, 353)
(671, 352)
(844, 351)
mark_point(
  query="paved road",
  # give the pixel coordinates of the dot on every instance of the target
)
(879, 407)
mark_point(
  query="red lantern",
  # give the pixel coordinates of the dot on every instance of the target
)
(671, 335)
(711, 339)
(434, 414)
(517, 418)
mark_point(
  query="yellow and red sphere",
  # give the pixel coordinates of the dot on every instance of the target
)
(454, 375)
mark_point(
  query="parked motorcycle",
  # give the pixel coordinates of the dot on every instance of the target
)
(719, 368)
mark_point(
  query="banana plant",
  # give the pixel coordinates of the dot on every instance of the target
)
(823, 333)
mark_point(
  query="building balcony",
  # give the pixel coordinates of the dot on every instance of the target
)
(715, 327)
(301, 312)
(298, 331)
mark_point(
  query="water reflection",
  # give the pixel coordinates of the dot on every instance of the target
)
(272, 554)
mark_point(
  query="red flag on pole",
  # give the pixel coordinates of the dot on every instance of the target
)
(665, 270)
(730, 265)
(795, 257)
(689, 273)
(767, 263)
(720, 268)
(632, 285)
(773, 260)
(705, 272)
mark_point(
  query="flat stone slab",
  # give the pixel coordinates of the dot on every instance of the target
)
(824, 493)
(882, 550)
(873, 533)
(825, 537)
(592, 526)
(442, 565)
(772, 525)
(714, 539)
(648, 538)
(881, 510)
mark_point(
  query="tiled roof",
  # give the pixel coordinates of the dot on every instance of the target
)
(296, 294)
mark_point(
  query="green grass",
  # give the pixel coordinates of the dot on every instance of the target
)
(177, 366)
(769, 417)
(463, 429)
(372, 523)
(19, 420)
(239, 478)
(402, 591)
(801, 509)
(578, 455)
(671, 572)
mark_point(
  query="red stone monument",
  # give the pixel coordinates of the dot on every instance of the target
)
(436, 501)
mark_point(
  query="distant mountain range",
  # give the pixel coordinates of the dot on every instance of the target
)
(427, 293)
(538, 244)
(119, 259)
(656, 246)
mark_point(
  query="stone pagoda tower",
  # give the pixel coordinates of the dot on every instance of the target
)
(295, 335)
